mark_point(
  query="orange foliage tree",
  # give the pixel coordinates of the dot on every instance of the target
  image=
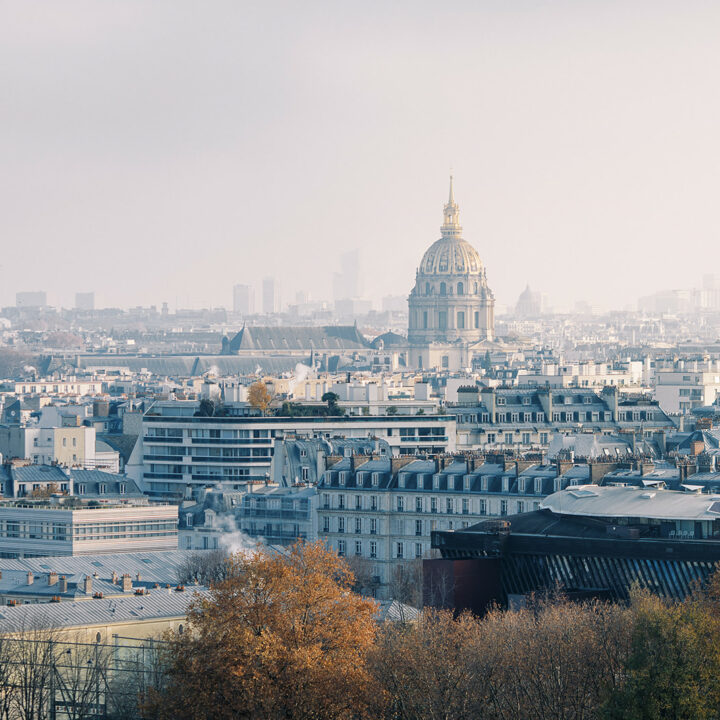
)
(259, 396)
(283, 636)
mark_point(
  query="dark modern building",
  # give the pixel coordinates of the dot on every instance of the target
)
(585, 541)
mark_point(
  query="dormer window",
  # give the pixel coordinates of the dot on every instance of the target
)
(81, 489)
(122, 488)
(436, 481)
(342, 478)
(102, 489)
(375, 479)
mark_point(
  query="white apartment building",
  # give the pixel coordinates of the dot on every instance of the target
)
(69, 386)
(690, 385)
(178, 448)
(34, 528)
(384, 509)
(69, 446)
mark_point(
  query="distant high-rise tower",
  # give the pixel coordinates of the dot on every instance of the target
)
(346, 283)
(31, 299)
(270, 295)
(85, 301)
(243, 299)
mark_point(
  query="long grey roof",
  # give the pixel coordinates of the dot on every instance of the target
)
(158, 604)
(155, 565)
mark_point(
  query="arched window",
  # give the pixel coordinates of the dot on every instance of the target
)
(443, 289)
(460, 289)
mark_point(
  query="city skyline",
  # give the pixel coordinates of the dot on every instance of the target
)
(289, 136)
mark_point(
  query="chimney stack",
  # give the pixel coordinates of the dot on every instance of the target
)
(114, 578)
(126, 583)
(52, 578)
(88, 585)
(30, 578)
(63, 584)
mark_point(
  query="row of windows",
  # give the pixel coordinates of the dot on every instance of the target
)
(442, 320)
(400, 549)
(419, 503)
(460, 288)
(359, 526)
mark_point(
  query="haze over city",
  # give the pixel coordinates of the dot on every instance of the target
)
(164, 151)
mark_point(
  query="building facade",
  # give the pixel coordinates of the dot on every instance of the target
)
(181, 449)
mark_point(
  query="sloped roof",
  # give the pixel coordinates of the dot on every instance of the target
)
(329, 337)
(157, 604)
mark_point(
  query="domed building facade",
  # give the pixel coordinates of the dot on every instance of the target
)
(451, 302)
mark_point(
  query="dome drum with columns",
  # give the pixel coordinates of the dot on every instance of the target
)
(451, 301)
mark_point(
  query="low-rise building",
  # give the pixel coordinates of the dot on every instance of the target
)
(70, 526)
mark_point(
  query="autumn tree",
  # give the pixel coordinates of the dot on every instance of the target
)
(429, 669)
(259, 396)
(282, 636)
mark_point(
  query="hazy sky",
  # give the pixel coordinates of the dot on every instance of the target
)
(156, 151)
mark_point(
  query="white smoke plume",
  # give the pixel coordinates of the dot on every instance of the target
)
(301, 374)
(232, 539)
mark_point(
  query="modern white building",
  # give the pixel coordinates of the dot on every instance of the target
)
(687, 386)
(37, 528)
(178, 448)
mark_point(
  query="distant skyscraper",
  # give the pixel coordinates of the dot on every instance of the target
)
(270, 295)
(31, 299)
(346, 283)
(85, 301)
(243, 299)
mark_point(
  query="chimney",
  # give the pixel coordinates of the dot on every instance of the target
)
(399, 462)
(357, 460)
(646, 467)
(599, 469)
(63, 584)
(30, 578)
(88, 585)
(563, 464)
(126, 583)
(52, 578)
(138, 577)
(696, 447)
(114, 578)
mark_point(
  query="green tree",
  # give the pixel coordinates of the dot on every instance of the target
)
(673, 670)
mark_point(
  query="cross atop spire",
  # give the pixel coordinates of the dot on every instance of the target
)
(451, 212)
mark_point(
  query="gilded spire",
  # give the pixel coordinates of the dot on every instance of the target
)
(451, 225)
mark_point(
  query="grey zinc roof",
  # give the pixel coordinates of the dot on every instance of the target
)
(154, 566)
(38, 474)
(157, 604)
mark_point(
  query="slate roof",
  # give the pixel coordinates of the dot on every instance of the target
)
(157, 604)
(329, 337)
